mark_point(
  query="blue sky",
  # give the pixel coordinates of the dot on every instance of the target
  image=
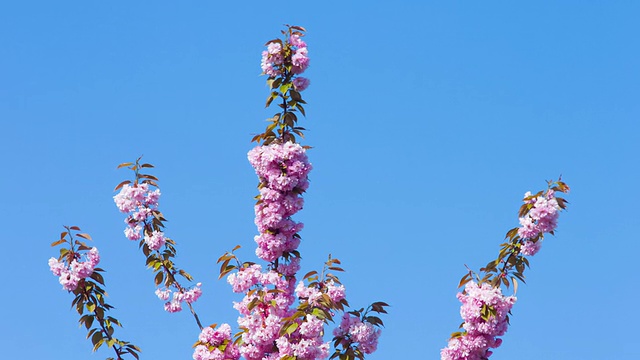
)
(428, 120)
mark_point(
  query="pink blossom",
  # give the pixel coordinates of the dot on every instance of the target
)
(300, 60)
(56, 266)
(541, 218)
(290, 268)
(94, 256)
(271, 61)
(155, 241)
(364, 335)
(163, 294)
(173, 306)
(81, 269)
(309, 294)
(215, 337)
(480, 334)
(530, 248)
(152, 198)
(69, 280)
(133, 233)
(301, 83)
(70, 274)
(202, 352)
(193, 294)
(274, 48)
(335, 292)
(312, 327)
(296, 41)
(141, 214)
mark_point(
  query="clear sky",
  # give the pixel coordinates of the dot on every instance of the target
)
(429, 121)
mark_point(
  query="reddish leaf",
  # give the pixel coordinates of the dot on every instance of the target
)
(122, 184)
(58, 242)
(84, 236)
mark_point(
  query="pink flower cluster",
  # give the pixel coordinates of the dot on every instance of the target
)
(140, 202)
(363, 334)
(305, 342)
(262, 321)
(274, 60)
(71, 274)
(480, 335)
(283, 170)
(300, 58)
(263, 313)
(542, 218)
(270, 293)
(175, 305)
(216, 344)
(312, 295)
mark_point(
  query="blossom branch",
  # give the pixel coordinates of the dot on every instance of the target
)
(83, 279)
(485, 310)
(271, 326)
(146, 224)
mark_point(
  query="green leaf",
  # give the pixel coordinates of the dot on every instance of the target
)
(91, 307)
(291, 328)
(285, 87)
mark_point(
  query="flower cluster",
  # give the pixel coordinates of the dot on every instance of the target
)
(313, 295)
(542, 218)
(485, 313)
(216, 344)
(71, 273)
(354, 331)
(305, 342)
(283, 170)
(189, 296)
(289, 58)
(140, 202)
(262, 312)
(271, 292)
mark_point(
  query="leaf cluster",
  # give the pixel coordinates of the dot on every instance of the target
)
(225, 259)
